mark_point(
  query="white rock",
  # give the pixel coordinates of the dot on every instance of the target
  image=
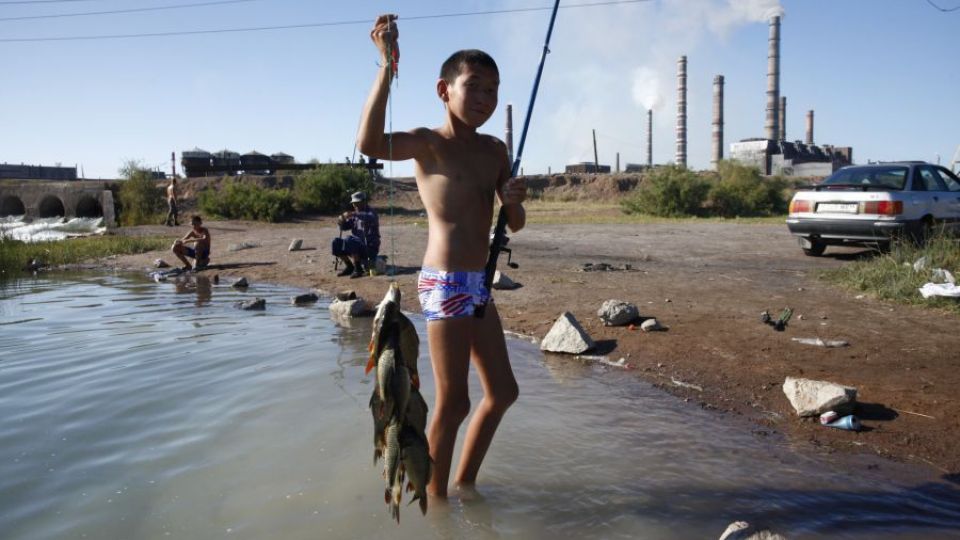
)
(160, 263)
(940, 275)
(741, 530)
(651, 325)
(257, 304)
(812, 398)
(920, 264)
(357, 307)
(295, 244)
(567, 336)
(617, 313)
(503, 282)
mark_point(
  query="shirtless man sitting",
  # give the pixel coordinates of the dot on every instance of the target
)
(199, 236)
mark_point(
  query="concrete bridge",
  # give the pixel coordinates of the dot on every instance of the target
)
(43, 199)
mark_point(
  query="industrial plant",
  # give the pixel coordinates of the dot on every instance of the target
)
(772, 154)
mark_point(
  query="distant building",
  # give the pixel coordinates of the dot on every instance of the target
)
(791, 158)
(36, 172)
(588, 167)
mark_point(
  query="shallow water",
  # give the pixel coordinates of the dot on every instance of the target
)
(131, 409)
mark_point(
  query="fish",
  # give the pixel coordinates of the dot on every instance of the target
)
(416, 412)
(415, 458)
(379, 426)
(392, 471)
(393, 384)
(385, 315)
(398, 409)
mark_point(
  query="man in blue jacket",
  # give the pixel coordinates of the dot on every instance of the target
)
(360, 248)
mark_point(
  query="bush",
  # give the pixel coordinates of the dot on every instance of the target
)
(669, 191)
(327, 188)
(237, 200)
(141, 200)
(742, 192)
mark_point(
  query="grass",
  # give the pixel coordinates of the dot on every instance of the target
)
(891, 276)
(15, 255)
(546, 212)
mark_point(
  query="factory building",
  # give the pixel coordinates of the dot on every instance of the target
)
(36, 172)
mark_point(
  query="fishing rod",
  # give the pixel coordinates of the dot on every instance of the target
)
(498, 244)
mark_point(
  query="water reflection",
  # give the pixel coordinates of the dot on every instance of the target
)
(195, 284)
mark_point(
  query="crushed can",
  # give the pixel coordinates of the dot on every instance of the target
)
(849, 423)
(827, 417)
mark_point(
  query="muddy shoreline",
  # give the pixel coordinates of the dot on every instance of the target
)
(707, 282)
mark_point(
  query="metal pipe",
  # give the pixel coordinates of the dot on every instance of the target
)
(717, 154)
(783, 118)
(681, 157)
(773, 80)
(650, 138)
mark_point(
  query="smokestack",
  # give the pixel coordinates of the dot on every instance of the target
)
(809, 127)
(682, 111)
(650, 138)
(773, 80)
(596, 160)
(509, 134)
(717, 154)
(783, 118)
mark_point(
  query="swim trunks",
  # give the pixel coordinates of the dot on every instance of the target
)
(446, 295)
(192, 253)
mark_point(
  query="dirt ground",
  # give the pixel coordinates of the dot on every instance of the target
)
(707, 282)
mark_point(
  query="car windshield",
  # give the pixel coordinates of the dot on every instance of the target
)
(893, 177)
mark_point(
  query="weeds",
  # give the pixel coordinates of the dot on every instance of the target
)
(16, 255)
(892, 276)
(141, 201)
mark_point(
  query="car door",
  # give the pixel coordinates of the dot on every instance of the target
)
(928, 180)
(952, 184)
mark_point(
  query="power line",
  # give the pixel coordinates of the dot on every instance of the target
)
(306, 25)
(115, 11)
(945, 10)
(22, 2)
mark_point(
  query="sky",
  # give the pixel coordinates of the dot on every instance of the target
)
(881, 75)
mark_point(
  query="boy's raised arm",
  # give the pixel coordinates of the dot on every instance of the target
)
(371, 139)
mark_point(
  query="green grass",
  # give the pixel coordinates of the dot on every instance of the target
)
(891, 276)
(543, 212)
(16, 255)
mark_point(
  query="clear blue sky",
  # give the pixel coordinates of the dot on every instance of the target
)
(882, 76)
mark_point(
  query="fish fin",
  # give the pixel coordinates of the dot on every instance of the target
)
(423, 505)
(377, 454)
(371, 363)
(415, 381)
(386, 496)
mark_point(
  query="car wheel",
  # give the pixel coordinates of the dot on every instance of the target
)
(816, 249)
(922, 230)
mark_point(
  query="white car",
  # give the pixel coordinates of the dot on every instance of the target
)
(867, 205)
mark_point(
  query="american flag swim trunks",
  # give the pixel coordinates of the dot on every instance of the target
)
(445, 295)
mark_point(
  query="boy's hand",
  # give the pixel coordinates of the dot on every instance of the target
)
(515, 191)
(385, 35)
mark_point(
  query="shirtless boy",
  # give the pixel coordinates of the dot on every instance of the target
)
(199, 236)
(458, 171)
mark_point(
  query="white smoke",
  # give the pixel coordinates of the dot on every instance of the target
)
(613, 63)
(647, 87)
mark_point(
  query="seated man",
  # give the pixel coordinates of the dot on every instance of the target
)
(199, 236)
(363, 244)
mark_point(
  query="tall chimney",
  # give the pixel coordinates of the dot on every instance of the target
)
(773, 80)
(717, 154)
(509, 133)
(783, 118)
(650, 138)
(809, 127)
(682, 112)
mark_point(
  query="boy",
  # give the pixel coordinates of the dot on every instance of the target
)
(172, 218)
(199, 236)
(458, 173)
(363, 244)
